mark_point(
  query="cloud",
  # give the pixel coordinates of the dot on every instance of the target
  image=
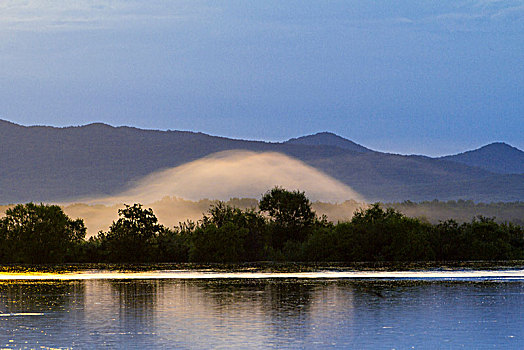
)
(478, 16)
(42, 15)
(512, 13)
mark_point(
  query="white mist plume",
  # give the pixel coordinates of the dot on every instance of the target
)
(186, 192)
(234, 174)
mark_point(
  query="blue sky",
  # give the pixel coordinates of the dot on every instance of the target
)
(426, 77)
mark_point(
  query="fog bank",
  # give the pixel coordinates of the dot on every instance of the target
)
(170, 211)
(187, 191)
(238, 177)
(230, 174)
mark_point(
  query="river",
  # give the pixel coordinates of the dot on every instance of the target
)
(206, 309)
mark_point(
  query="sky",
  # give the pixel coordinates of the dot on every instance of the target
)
(411, 76)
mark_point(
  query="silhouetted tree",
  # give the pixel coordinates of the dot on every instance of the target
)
(32, 233)
(221, 214)
(448, 242)
(388, 235)
(44, 234)
(132, 237)
(173, 244)
(218, 244)
(291, 214)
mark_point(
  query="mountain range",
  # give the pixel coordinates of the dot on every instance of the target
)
(42, 163)
(497, 157)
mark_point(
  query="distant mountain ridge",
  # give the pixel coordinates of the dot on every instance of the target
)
(328, 139)
(497, 157)
(42, 163)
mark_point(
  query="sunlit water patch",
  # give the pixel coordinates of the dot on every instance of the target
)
(505, 274)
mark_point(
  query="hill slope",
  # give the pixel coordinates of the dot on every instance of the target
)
(42, 163)
(328, 139)
(496, 157)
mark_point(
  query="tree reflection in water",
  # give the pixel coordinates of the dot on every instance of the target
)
(251, 313)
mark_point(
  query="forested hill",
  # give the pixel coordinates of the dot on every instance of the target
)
(497, 157)
(40, 163)
(328, 139)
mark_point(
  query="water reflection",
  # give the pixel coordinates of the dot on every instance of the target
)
(18, 297)
(32, 309)
(272, 313)
(136, 298)
(275, 311)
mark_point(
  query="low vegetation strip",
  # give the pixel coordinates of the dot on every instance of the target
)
(284, 228)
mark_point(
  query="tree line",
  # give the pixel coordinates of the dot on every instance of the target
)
(283, 228)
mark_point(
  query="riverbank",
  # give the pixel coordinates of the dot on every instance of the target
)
(265, 267)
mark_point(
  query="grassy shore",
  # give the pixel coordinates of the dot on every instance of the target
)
(267, 266)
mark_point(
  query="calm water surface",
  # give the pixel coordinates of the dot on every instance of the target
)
(262, 313)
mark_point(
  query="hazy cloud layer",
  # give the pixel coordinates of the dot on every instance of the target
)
(89, 14)
(93, 14)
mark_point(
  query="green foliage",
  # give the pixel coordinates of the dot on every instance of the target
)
(242, 232)
(374, 234)
(481, 239)
(323, 245)
(173, 245)
(218, 244)
(132, 236)
(487, 240)
(42, 234)
(291, 214)
(447, 241)
(287, 208)
(34, 233)
(397, 237)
